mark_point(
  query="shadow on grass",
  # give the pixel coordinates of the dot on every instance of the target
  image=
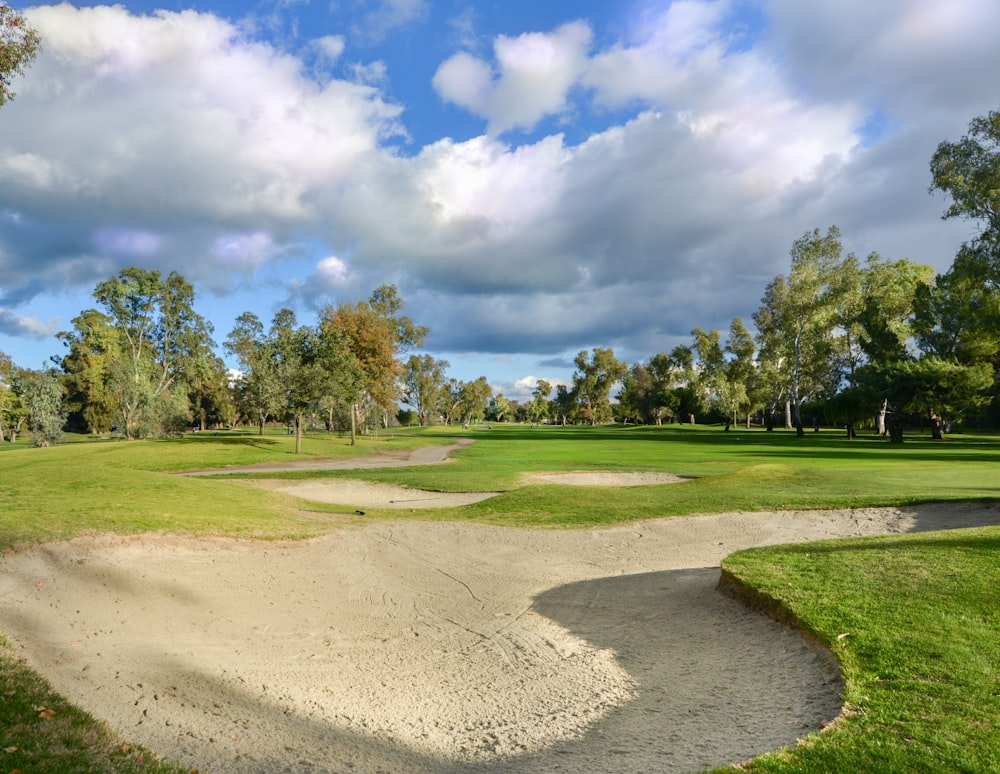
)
(828, 444)
(228, 440)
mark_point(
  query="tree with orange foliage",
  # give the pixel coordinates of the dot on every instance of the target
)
(376, 335)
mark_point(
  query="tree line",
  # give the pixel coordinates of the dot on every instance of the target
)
(838, 339)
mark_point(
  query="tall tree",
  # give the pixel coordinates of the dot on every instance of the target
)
(796, 320)
(498, 408)
(967, 297)
(424, 384)
(593, 380)
(377, 334)
(19, 43)
(259, 387)
(743, 388)
(6, 392)
(474, 398)
(160, 338)
(93, 346)
(538, 408)
(968, 171)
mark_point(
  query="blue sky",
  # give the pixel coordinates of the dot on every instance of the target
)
(537, 178)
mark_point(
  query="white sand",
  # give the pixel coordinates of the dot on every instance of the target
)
(436, 647)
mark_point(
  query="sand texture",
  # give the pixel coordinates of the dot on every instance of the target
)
(436, 647)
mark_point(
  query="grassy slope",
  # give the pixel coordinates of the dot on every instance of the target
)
(920, 655)
(915, 622)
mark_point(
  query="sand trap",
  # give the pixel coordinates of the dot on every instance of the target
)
(606, 478)
(367, 494)
(436, 647)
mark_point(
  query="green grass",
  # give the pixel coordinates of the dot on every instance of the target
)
(920, 655)
(915, 623)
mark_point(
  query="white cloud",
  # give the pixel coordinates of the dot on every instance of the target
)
(330, 47)
(179, 125)
(14, 324)
(388, 15)
(534, 75)
(333, 271)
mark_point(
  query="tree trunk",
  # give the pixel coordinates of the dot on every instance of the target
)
(298, 433)
(354, 424)
(788, 414)
(895, 425)
(937, 425)
(882, 412)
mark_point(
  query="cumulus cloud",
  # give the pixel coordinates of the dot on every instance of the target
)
(533, 77)
(179, 124)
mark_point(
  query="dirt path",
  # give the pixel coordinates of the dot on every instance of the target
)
(436, 647)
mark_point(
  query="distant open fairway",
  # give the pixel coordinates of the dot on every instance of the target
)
(585, 621)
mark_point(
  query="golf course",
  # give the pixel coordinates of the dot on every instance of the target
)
(501, 599)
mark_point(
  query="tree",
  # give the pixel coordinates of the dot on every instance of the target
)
(93, 346)
(310, 365)
(743, 389)
(796, 321)
(964, 305)
(592, 382)
(539, 408)
(7, 396)
(376, 335)
(19, 43)
(160, 337)
(258, 387)
(497, 408)
(474, 397)
(969, 172)
(41, 397)
(710, 377)
(424, 384)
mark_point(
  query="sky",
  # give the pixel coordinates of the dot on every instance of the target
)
(536, 177)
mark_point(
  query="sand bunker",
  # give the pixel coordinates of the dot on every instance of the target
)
(368, 494)
(606, 478)
(436, 647)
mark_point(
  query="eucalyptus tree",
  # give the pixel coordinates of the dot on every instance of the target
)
(539, 409)
(258, 387)
(744, 387)
(593, 380)
(474, 398)
(425, 382)
(965, 304)
(19, 44)
(128, 365)
(498, 407)
(796, 321)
